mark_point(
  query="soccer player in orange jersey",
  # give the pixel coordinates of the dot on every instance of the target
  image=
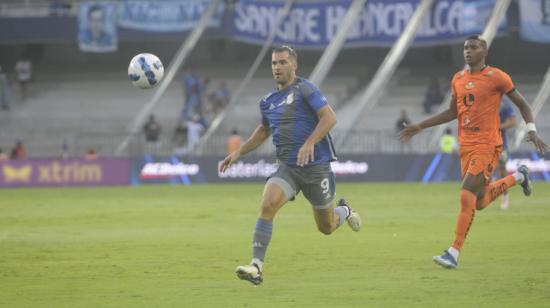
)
(477, 92)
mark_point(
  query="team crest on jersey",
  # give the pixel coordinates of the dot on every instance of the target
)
(470, 85)
(289, 99)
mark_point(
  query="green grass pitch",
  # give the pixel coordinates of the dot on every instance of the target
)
(175, 246)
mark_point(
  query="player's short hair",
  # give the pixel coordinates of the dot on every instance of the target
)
(478, 38)
(288, 49)
(95, 8)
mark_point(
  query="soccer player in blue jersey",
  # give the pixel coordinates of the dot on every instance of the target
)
(298, 117)
(507, 121)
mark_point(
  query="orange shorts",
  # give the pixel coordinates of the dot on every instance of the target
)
(479, 158)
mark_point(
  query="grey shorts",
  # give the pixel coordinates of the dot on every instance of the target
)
(315, 181)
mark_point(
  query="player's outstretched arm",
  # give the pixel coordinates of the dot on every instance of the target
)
(260, 134)
(443, 117)
(527, 115)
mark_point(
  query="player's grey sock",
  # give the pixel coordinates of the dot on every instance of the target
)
(342, 212)
(262, 236)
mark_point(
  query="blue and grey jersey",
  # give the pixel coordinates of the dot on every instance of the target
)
(291, 114)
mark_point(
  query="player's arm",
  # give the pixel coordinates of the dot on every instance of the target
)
(443, 117)
(327, 120)
(260, 134)
(527, 115)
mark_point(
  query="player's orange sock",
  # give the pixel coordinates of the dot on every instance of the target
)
(465, 217)
(495, 189)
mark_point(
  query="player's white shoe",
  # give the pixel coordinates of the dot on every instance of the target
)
(353, 219)
(250, 272)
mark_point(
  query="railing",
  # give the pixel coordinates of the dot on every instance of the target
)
(361, 142)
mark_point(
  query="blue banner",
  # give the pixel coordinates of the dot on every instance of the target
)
(97, 27)
(314, 24)
(168, 16)
(535, 20)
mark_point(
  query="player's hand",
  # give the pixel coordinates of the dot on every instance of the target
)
(541, 147)
(229, 160)
(409, 131)
(306, 154)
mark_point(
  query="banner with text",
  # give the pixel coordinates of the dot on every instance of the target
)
(535, 20)
(168, 16)
(350, 168)
(65, 172)
(314, 24)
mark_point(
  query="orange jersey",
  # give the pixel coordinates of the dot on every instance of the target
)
(477, 96)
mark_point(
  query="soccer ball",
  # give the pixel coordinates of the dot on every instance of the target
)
(145, 70)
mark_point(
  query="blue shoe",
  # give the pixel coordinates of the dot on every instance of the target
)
(527, 183)
(446, 260)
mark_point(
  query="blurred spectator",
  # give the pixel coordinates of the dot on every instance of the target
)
(194, 132)
(64, 149)
(434, 95)
(23, 70)
(219, 99)
(233, 142)
(3, 156)
(403, 121)
(91, 154)
(194, 87)
(4, 90)
(447, 142)
(152, 131)
(18, 151)
(180, 133)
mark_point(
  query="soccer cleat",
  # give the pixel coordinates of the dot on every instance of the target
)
(527, 184)
(353, 219)
(250, 272)
(446, 260)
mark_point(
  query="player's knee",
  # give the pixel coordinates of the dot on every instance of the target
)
(326, 229)
(268, 209)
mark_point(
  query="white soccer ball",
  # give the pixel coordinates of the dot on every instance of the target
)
(145, 70)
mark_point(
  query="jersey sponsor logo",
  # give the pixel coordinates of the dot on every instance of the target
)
(470, 85)
(472, 129)
(468, 100)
